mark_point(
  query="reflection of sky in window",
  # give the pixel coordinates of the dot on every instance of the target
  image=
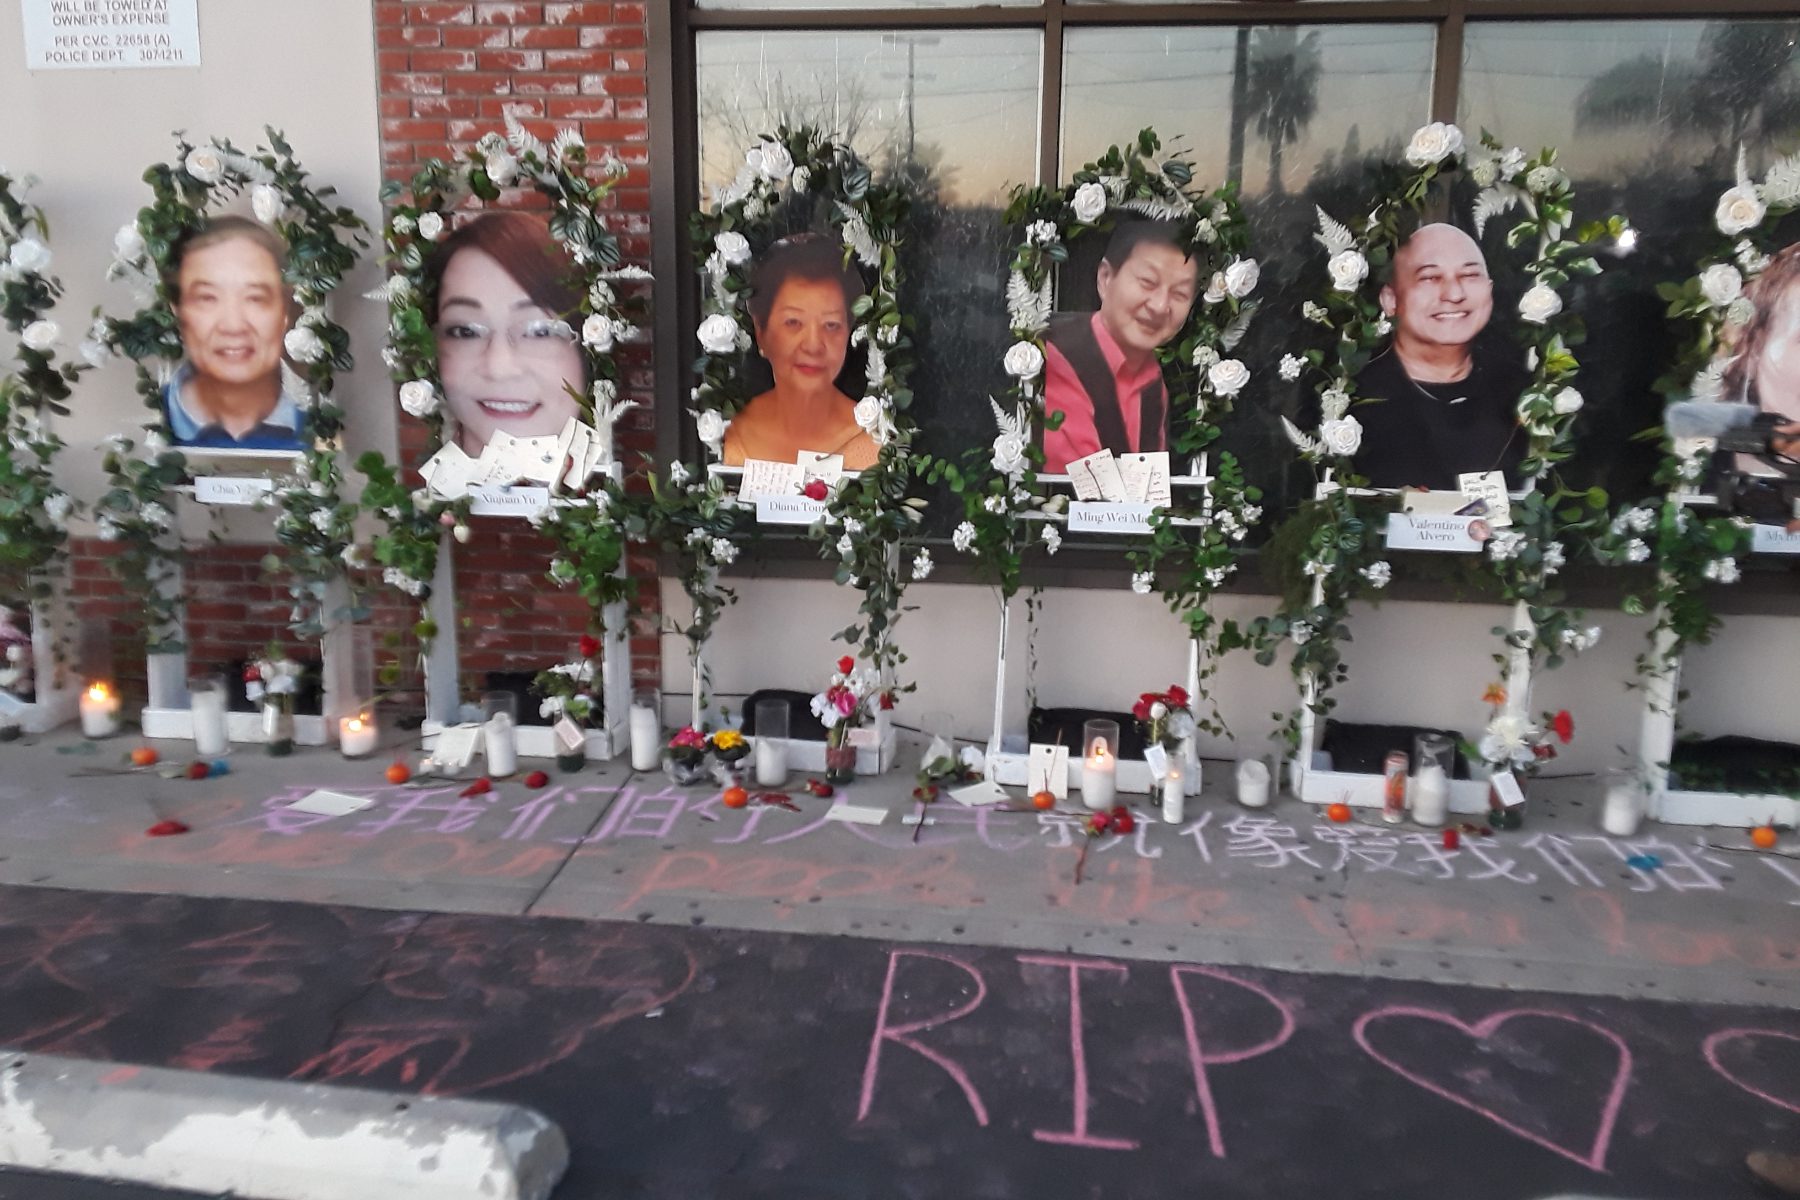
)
(1525, 82)
(1375, 79)
(974, 99)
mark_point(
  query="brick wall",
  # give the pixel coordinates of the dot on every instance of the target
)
(449, 73)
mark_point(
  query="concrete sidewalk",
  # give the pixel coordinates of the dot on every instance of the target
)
(1554, 906)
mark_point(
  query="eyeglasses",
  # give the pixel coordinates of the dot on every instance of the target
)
(537, 338)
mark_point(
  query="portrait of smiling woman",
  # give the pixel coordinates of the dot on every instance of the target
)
(800, 304)
(502, 292)
(232, 309)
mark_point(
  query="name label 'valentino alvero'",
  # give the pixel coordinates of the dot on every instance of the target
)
(1444, 533)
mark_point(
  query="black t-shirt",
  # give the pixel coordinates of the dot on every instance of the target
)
(1426, 434)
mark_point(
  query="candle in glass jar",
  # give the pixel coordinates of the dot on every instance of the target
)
(1174, 794)
(771, 762)
(357, 735)
(1431, 794)
(497, 741)
(99, 711)
(1099, 778)
(206, 705)
(646, 738)
(1253, 783)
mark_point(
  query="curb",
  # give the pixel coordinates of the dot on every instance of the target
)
(268, 1139)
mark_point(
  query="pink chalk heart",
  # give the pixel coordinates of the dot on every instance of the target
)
(1593, 1156)
(1711, 1049)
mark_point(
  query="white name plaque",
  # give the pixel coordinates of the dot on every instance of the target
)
(1413, 531)
(788, 510)
(1098, 516)
(231, 489)
(508, 502)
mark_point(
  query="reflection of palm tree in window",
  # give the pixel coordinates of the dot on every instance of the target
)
(1740, 87)
(1282, 90)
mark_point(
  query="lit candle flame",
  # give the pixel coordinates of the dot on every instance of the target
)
(99, 692)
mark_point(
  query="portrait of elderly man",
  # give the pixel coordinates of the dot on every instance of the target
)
(233, 309)
(1442, 397)
(1101, 371)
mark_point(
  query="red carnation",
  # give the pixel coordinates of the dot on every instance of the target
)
(814, 490)
(1122, 820)
(846, 665)
(1141, 710)
(1178, 697)
(590, 645)
(1098, 824)
(1564, 725)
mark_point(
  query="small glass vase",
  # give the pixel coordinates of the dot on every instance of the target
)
(840, 759)
(684, 772)
(278, 730)
(728, 772)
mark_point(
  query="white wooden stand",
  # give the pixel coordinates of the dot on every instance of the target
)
(443, 675)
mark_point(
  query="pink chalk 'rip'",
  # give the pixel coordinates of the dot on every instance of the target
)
(1711, 1049)
(121, 1075)
(1198, 1059)
(1595, 1157)
(902, 1034)
(1079, 1135)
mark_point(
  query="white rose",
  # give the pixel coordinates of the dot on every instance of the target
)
(418, 397)
(777, 163)
(1740, 208)
(128, 243)
(1241, 277)
(1089, 203)
(867, 412)
(597, 333)
(1215, 288)
(40, 335)
(1023, 360)
(718, 334)
(431, 226)
(29, 254)
(1228, 377)
(802, 179)
(1342, 436)
(1539, 304)
(501, 167)
(203, 163)
(1433, 144)
(1205, 356)
(734, 248)
(1740, 311)
(1009, 453)
(1158, 711)
(1542, 180)
(710, 425)
(1348, 269)
(1721, 284)
(303, 345)
(1291, 366)
(1567, 401)
(266, 203)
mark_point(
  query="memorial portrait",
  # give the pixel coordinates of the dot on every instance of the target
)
(1762, 360)
(1440, 398)
(18, 675)
(801, 301)
(501, 293)
(233, 309)
(1101, 371)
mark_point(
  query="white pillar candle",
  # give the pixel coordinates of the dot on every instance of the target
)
(99, 711)
(207, 708)
(771, 762)
(356, 736)
(1431, 794)
(1253, 783)
(646, 738)
(1622, 812)
(1174, 795)
(1099, 779)
(497, 742)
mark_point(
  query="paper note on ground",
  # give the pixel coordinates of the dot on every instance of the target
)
(987, 791)
(329, 804)
(856, 814)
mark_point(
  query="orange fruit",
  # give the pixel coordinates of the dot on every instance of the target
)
(398, 772)
(1339, 812)
(144, 756)
(1043, 800)
(735, 797)
(1764, 837)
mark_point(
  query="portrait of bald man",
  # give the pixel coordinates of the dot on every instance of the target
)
(1443, 394)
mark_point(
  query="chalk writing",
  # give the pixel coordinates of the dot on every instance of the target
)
(903, 1035)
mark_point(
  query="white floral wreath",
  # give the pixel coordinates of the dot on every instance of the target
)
(314, 525)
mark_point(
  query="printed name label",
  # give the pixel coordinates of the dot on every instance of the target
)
(1450, 534)
(231, 489)
(1097, 516)
(1773, 539)
(788, 510)
(507, 502)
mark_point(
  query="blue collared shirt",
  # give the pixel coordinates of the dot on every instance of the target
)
(282, 429)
